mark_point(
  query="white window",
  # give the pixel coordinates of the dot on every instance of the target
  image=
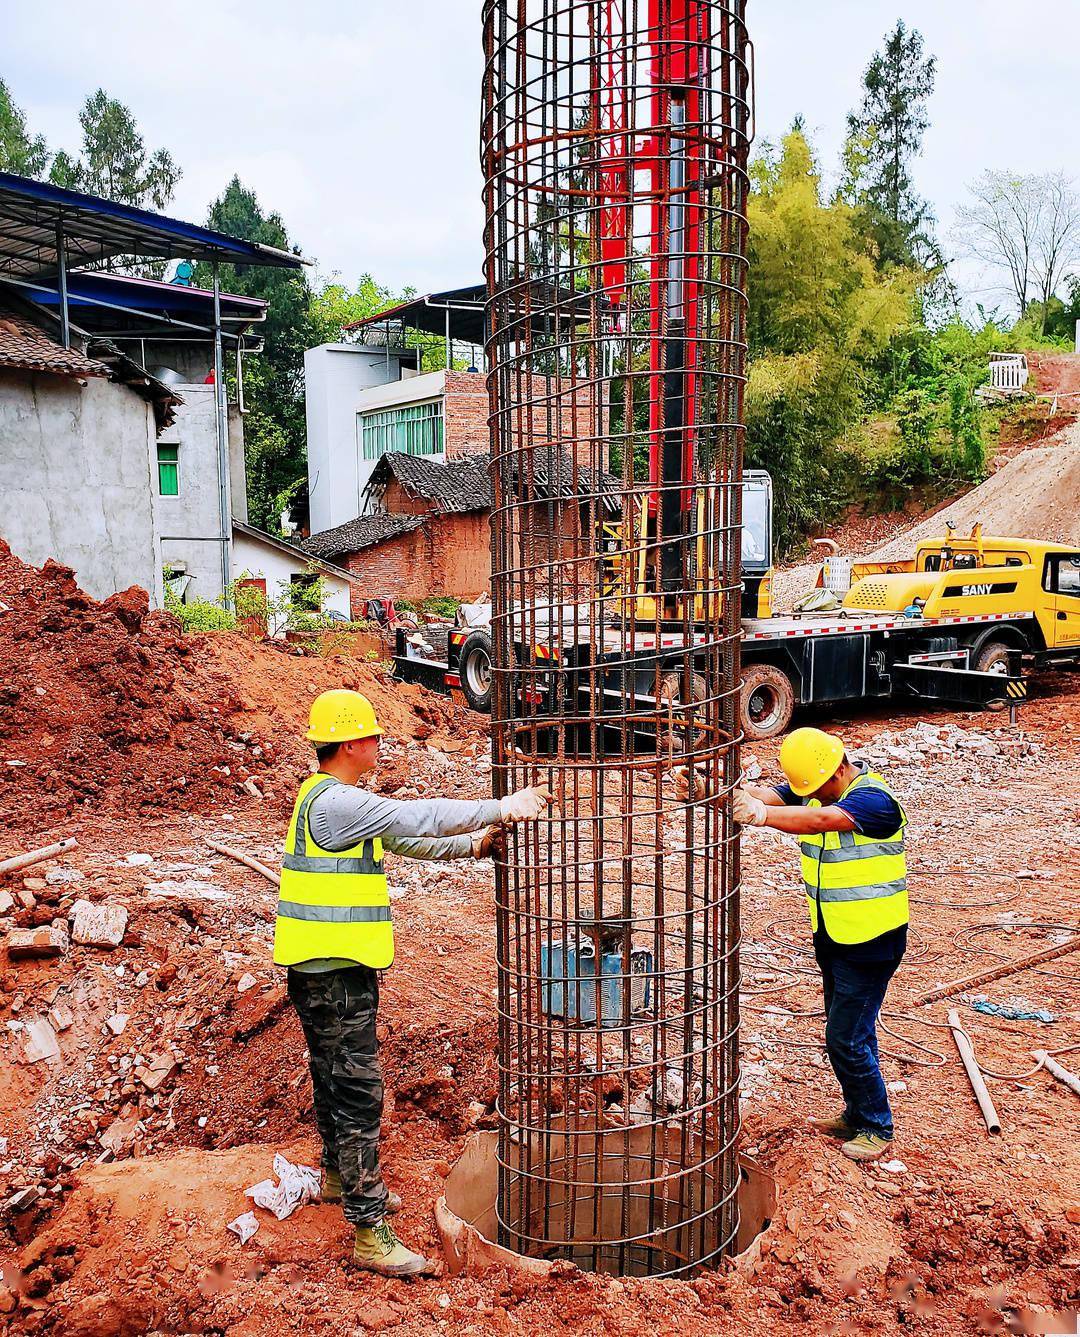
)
(415, 429)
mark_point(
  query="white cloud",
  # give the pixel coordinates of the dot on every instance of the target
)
(358, 119)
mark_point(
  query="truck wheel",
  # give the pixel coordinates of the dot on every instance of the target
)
(767, 701)
(993, 658)
(674, 737)
(474, 669)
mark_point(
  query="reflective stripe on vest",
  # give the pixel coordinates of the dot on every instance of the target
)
(333, 903)
(859, 882)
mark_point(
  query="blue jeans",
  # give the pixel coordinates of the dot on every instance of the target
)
(854, 993)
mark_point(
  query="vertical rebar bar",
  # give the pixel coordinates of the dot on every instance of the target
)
(614, 143)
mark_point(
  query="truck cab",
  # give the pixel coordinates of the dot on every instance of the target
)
(980, 575)
(757, 543)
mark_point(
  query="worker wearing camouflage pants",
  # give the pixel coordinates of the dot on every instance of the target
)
(337, 1010)
(334, 932)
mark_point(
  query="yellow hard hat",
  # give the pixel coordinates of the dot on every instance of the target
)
(340, 716)
(810, 758)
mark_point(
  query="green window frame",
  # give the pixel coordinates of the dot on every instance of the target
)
(168, 470)
(414, 429)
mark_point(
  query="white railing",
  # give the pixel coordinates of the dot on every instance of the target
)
(1009, 372)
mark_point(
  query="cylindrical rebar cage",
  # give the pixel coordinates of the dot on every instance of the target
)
(614, 142)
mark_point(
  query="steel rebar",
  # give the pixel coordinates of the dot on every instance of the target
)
(614, 144)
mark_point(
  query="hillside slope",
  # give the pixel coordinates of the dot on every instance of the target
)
(1035, 494)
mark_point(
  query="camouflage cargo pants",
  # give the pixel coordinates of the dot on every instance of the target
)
(337, 1011)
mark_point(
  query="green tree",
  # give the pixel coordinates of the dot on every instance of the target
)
(275, 430)
(334, 306)
(20, 152)
(887, 134)
(113, 160)
(821, 316)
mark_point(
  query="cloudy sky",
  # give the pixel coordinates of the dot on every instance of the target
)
(358, 119)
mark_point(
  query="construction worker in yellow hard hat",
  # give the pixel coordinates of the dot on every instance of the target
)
(851, 835)
(334, 933)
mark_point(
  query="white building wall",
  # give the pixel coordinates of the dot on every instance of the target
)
(190, 523)
(78, 476)
(335, 377)
(251, 557)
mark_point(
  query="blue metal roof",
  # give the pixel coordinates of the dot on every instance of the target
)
(32, 212)
(90, 292)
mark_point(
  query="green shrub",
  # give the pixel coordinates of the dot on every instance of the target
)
(201, 615)
(437, 605)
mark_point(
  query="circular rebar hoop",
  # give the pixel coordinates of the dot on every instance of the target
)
(614, 144)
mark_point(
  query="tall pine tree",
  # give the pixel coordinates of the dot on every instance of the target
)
(276, 431)
(20, 151)
(113, 160)
(884, 137)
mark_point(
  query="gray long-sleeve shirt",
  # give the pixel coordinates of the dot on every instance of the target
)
(343, 815)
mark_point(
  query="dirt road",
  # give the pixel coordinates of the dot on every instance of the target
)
(151, 1068)
(1035, 492)
(958, 1226)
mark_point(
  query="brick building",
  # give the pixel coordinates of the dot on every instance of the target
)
(426, 528)
(379, 394)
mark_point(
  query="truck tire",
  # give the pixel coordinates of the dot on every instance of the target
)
(674, 737)
(766, 703)
(474, 669)
(993, 658)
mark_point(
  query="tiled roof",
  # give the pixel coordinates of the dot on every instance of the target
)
(453, 485)
(465, 484)
(26, 348)
(126, 371)
(359, 533)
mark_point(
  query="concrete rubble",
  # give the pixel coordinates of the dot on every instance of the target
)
(41, 1041)
(48, 940)
(98, 925)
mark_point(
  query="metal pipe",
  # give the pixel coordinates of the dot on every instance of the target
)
(971, 1067)
(61, 271)
(222, 421)
(249, 861)
(1055, 1069)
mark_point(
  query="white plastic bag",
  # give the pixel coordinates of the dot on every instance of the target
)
(297, 1185)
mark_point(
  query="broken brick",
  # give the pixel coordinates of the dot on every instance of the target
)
(48, 940)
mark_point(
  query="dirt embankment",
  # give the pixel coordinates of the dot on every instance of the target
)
(1034, 494)
(108, 707)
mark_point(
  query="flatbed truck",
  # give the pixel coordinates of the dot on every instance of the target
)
(961, 623)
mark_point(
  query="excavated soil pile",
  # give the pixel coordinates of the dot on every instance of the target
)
(108, 705)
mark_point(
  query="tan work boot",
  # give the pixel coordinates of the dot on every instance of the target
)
(866, 1147)
(331, 1192)
(378, 1249)
(838, 1127)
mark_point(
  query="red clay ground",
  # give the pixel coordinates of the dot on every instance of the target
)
(973, 1224)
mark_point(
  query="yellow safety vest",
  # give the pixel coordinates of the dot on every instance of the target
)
(859, 881)
(332, 902)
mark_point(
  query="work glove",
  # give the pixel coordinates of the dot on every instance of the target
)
(525, 805)
(490, 843)
(746, 809)
(688, 782)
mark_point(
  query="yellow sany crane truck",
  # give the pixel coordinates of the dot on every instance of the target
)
(958, 623)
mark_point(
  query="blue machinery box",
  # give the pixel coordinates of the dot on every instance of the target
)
(570, 988)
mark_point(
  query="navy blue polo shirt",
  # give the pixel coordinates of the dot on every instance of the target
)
(877, 815)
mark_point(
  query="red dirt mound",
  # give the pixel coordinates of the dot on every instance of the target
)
(109, 705)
